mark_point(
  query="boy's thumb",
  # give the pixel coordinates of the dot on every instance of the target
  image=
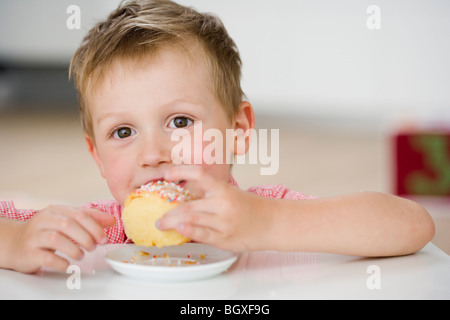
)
(103, 219)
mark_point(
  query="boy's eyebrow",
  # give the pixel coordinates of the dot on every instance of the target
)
(119, 114)
(107, 115)
(180, 101)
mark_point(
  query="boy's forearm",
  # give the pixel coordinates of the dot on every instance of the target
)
(363, 224)
(8, 227)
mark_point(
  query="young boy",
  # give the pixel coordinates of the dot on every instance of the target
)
(151, 68)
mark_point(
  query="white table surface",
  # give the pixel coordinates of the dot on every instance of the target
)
(256, 275)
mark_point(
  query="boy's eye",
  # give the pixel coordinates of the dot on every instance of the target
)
(123, 133)
(180, 122)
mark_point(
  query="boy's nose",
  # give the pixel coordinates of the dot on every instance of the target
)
(153, 151)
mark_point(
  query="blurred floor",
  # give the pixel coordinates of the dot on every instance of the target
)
(44, 160)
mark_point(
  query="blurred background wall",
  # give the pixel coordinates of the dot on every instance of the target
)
(307, 57)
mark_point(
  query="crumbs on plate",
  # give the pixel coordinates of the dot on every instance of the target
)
(146, 258)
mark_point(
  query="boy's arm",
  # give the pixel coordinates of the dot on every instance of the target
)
(8, 228)
(10, 220)
(363, 224)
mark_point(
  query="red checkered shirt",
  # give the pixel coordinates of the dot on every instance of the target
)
(116, 234)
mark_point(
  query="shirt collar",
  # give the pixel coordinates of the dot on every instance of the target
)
(232, 181)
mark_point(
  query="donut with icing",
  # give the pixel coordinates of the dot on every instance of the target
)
(145, 206)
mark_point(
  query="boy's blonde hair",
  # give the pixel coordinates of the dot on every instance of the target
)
(138, 28)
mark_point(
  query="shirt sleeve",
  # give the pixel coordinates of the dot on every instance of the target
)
(115, 234)
(9, 211)
(279, 191)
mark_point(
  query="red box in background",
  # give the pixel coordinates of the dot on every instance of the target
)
(422, 162)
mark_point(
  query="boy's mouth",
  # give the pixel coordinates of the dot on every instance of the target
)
(180, 183)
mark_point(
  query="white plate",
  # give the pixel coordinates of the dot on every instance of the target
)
(187, 262)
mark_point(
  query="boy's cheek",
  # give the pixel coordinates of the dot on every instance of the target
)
(196, 149)
(118, 180)
(120, 194)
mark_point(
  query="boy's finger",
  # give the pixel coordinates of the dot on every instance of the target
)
(199, 181)
(104, 220)
(195, 190)
(93, 222)
(197, 233)
(51, 260)
(76, 224)
(78, 231)
(174, 218)
(55, 241)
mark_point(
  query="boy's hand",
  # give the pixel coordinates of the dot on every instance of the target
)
(220, 215)
(57, 228)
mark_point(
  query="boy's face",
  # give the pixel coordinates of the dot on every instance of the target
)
(135, 110)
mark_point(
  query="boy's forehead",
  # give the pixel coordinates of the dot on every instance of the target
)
(173, 66)
(121, 67)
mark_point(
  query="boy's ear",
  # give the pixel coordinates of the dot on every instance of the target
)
(94, 153)
(244, 122)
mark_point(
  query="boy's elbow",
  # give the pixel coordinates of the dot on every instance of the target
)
(423, 227)
(430, 228)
